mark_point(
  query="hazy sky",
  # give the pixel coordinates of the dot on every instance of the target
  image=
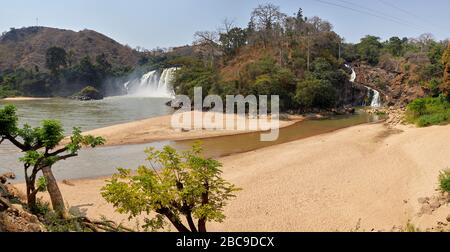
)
(165, 23)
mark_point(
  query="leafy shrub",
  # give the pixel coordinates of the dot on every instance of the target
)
(314, 93)
(186, 185)
(444, 181)
(429, 111)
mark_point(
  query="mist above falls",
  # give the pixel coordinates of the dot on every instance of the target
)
(155, 83)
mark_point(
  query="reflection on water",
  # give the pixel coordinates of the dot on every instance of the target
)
(104, 161)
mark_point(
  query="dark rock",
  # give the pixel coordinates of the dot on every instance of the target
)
(87, 94)
(350, 110)
(174, 104)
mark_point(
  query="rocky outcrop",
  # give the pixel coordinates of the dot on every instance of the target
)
(396, 87)
(394, 116)
(13, 217)
(87, 94)
(431, 204)
(351, 94)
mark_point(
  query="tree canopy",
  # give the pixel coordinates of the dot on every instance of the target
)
(56, 58)
(41, 148)
(175, 185)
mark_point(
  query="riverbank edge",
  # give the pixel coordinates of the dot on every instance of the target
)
(158, 129)
(93, 178)
(25, 98)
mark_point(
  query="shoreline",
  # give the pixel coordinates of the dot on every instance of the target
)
(160, 129)
(368, 174)
(228, 155)
(25, 98)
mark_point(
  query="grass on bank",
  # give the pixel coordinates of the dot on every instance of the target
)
(429, 111)
(444, 181)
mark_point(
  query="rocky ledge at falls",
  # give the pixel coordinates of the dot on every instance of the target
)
(397, 86)
(394, 115)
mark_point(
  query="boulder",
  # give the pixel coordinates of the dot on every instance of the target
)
(17, 220)
(88, 93)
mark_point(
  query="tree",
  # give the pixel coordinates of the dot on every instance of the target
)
(425, 40)
(207, 43)
(445, 87)
(395, 46)
(232, 40)
(56, 58)
(41, 148)
(299, 16)
(266, 17)
(102, 64)
(186, 185)
(267, 21)
(315, 93)
(87, 73)
(369, 49)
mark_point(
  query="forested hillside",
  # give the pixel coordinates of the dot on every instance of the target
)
(26, 47)
(303, 60)
(41, 61)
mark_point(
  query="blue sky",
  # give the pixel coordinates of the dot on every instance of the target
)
(152, 23)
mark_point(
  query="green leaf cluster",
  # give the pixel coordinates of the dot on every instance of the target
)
(173, 186)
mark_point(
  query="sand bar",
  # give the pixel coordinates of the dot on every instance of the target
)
(160, 129)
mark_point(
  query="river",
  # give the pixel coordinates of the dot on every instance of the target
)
(104, 161)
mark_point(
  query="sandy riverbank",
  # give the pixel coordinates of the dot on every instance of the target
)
(366, 174)
(23, 99)
(160, 129)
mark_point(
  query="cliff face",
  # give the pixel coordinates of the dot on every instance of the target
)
(27, 47)
(397, 86)
(351, 94)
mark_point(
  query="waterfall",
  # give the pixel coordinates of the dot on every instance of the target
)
(376, 98)
(152, 84)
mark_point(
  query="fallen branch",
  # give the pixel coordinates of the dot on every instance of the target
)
(4, 203)
(99, 226)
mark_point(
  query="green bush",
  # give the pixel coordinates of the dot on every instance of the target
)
(89, 93)
(444, 181)
(429, 111)
(315, 93)
(6, 92)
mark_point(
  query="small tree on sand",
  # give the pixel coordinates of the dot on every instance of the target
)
(175, 185)
(41, 148)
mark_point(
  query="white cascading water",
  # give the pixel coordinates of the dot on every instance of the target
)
(376, 99)
(152, 84)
